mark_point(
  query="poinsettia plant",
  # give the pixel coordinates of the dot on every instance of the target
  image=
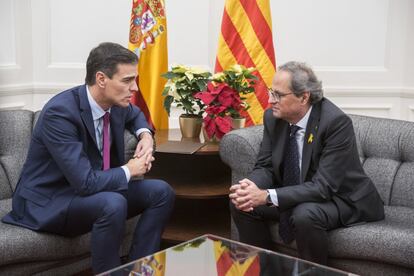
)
(224, 99)
(240, 79)
(183, 83)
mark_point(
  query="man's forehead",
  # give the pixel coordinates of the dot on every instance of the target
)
(125, 69)
(282, 77)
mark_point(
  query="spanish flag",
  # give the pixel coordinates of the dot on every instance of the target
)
(151, 265)
(148, 40)
(246, 38)
(230, 266)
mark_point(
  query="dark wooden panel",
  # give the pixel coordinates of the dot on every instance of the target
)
(193, 218)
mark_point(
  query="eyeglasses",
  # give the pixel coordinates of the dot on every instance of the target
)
(276, 95)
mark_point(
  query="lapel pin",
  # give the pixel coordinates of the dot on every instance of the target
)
(310, 138)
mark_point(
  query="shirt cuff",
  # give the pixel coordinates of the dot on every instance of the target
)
(273, 196)
(141, 130)
(127, 173)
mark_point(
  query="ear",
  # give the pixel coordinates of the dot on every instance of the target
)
(305, 97)
(100, 79)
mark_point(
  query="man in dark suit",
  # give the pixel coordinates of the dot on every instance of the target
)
(75, 178)
(308, 174)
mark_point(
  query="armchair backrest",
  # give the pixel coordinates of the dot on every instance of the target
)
(386, 150)
(16, 129)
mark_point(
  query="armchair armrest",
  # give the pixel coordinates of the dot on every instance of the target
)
(130, 144)
(239, 149)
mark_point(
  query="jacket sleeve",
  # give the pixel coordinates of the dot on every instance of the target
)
(337, 143)
(262, 174)
(135, 120)
(65, 146)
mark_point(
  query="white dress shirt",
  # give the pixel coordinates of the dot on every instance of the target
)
(300, 137)
(97, 116)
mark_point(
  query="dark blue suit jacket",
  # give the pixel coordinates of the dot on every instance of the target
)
(64, 161)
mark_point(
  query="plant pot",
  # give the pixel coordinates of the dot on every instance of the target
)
(190, 125)
(237, 123)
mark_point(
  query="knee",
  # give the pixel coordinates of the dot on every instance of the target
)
(113, 204)
(163, 191)
(304, 216)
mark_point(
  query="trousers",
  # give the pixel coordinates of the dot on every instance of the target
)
(311, 222)
(105, 215)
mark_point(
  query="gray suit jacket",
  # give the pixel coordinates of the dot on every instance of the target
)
(331, 169)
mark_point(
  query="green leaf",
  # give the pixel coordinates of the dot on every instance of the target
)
(165, 91)
(169, 75)
(201, 85)
(167, 103)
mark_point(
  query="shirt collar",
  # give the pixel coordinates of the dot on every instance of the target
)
(304, 121)
(97, 111)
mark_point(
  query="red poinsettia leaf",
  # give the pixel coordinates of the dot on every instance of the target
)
(210, 126)
(215, 109)
(205, 97)
(223, 126)
(226, 98)
(218, 88)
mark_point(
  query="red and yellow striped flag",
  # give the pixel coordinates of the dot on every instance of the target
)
(148, 39)
(227, 266)
(246, 38)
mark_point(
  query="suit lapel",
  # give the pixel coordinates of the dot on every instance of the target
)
(309, 139)
(86, 113)
(279, 148)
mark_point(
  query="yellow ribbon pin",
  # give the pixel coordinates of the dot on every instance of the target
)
(310, 139)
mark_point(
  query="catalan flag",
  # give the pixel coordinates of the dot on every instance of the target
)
(228, 266)
(148, 39)
(246, 38)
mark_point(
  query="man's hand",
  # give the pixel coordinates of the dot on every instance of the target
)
(145, 147)
(137, 166)
(246, 195)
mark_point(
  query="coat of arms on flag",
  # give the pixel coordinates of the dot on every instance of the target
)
(148, 40)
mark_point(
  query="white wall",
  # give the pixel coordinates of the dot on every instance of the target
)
(362, 50)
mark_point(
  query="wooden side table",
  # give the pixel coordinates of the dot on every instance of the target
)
(201, 182)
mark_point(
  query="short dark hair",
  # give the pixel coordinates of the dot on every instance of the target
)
(106, 57)
(303, 79)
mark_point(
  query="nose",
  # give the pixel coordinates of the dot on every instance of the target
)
(271, 100)
(134, 86)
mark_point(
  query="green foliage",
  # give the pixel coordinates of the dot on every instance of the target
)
(242, 80)
(183, 83)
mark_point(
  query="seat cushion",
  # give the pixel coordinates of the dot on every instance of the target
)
(388, 241)
(19, 245)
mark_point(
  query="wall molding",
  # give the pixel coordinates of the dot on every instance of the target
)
(66, 65)
(330, 91)
(353, 69)
(359, 92)
(366, 106)
(15, 105)
(37, 88)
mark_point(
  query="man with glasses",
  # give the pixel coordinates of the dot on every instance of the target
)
(308, 175)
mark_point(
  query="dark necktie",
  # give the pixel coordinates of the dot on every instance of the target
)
(291, 176)
(105, 142)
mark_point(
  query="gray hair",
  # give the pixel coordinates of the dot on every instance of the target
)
(303, 79)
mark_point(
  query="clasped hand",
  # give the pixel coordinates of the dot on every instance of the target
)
(141, 162)
(246, 195)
